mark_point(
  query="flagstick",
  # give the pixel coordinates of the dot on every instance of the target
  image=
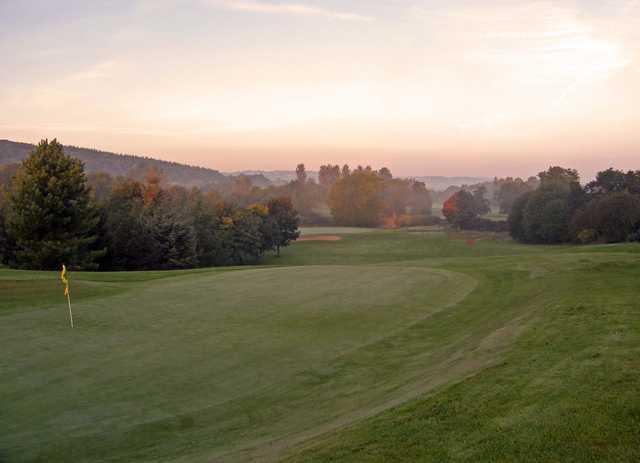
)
(70, 314)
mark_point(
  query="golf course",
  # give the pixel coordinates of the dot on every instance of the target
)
(358, 345)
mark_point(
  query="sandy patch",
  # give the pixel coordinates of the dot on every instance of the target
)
(319, 238)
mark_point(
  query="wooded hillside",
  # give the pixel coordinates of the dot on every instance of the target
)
(127, 165)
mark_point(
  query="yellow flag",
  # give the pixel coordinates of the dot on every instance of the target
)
(65, 281)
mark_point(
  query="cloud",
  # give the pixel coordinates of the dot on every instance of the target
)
(289, 8)
(96, 71)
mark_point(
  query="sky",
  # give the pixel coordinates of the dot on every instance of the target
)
(439, 87)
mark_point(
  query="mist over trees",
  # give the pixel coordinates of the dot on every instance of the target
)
(510, 189)
(51, 214)
(367, 198)
(464, 210)
(345, 196)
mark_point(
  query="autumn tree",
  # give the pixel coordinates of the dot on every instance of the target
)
(357, 199)
(460, 209)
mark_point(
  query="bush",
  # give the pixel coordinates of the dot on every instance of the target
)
(586, 236)
(610, 218)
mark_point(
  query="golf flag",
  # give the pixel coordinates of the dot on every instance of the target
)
(65, 282)
(63, 278)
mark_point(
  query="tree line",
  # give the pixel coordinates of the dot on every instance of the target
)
(560, 210)
(555, 207)
(343, 196)
(52, 212)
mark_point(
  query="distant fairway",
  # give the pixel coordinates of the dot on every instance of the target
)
(384, 346)
(304, 231)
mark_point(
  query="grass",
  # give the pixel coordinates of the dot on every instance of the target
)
(304, 231)
(496, 216)
(384, 346)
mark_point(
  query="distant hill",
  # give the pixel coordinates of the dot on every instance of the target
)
(127, 165)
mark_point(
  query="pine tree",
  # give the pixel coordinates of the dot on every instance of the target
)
(50, 214)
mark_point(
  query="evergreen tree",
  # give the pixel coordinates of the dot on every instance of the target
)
(50, 214)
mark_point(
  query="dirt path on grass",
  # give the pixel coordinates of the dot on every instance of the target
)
(319, 238)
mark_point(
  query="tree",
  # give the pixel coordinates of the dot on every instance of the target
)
(283, 221)
(301, 173)
(611, 218)
(7, 173)
(50, 213)
(481, 204)
(614, 181)
(346, 171)
(510, 190)
(460, 209)
(421, 201)
(607, 181)
(545, 214)
(328, 175)
(130, 243)
(357, 199)
(244, 238)
(206, 212)
(397, 194)
(558, 175)
(516, 217)
(385, 173)
(7, 246)
(101, 185)
(241, 188)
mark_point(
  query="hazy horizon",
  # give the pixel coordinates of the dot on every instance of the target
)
(423, 87)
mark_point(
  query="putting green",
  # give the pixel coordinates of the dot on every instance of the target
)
(208, 364)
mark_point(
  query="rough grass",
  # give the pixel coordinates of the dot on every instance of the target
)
(384, 346)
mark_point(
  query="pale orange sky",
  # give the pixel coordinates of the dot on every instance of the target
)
(501, 87)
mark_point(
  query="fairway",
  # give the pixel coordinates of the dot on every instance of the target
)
(221, 349)
(384, 346)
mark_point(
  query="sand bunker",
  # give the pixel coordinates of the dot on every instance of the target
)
(319, 238)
